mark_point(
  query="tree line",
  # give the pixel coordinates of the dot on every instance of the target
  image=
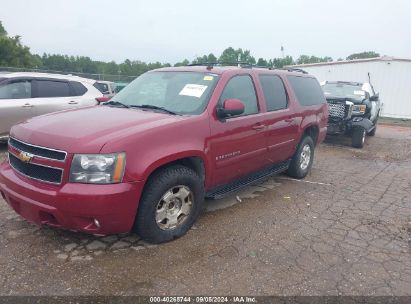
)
(14, 54)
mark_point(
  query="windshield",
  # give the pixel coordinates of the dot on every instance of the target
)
(353, 91)
(179, 92)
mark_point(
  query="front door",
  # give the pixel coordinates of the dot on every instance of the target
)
(238, 145)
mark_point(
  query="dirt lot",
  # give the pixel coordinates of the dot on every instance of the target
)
(345, 229)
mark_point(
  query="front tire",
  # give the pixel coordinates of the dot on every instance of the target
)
(373, 131)
(171, 202)
(303, 159)
(358, 137)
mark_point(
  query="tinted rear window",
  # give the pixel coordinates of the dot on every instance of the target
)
(274, 92)
(50, 88)
(78, 89)
(307, 90)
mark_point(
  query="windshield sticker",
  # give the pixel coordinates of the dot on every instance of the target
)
(208, 78)
(362, 93)
(195, 90)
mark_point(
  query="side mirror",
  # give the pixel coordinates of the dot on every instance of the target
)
(376, 97)
(231, 107)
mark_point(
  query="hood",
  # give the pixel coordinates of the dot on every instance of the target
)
(87, 130)
(339, 98)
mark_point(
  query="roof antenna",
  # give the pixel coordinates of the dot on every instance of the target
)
(369, 77)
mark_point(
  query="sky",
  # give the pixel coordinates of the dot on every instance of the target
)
(170, 31)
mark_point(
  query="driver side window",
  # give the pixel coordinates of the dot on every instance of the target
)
(242, 88)
(17, 89)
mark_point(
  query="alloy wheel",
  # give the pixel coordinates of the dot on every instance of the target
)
(174, 207)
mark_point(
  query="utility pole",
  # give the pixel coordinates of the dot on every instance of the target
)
(282, 51)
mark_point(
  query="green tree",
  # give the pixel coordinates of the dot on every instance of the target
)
(13, 53)
(231, 56)
(362, 55)
(281, 62)
(304, 59)
(262, 62)
(2, 30)
(182, 63)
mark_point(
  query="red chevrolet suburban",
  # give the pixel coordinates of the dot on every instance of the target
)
(145, 160)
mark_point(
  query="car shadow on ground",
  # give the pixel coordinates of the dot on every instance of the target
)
(338, 140)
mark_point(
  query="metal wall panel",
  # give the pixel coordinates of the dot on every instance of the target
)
(391, 78)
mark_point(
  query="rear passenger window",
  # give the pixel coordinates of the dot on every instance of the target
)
(242, 88)
(307, 89)
(50, 88)
(102, 87)
(78, 89)
(274, 92)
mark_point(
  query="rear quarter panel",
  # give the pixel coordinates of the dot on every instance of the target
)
(307, 116)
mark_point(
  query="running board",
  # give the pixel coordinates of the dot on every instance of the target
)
(254, 178)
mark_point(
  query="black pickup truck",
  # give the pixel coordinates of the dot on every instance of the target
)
(354, 108)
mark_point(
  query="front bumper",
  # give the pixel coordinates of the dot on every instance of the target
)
(72, 206)
(336, 127)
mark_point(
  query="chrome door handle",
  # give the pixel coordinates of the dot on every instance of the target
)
(27, 105)
(72, 102)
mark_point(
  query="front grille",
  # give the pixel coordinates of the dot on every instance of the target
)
(336, 110)
(42, 173)
(38, 151)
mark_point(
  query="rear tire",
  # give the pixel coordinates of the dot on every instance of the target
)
(303, 159)
(358, 137)
(171, 202)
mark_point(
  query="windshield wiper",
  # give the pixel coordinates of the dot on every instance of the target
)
(116, 104)
(146, 106)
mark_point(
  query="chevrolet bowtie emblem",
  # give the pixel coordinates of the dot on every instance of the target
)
(25, 157)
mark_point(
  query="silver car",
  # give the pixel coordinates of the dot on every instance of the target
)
(25, 95)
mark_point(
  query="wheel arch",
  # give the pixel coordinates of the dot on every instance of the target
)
(192, 160)
(311, 130)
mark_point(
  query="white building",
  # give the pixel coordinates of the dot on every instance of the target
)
(390, 76)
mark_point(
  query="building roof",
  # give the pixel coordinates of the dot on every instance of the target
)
(382, 58)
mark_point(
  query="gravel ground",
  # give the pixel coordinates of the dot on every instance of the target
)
(345, 229)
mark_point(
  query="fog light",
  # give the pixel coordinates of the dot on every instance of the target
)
(97, 223)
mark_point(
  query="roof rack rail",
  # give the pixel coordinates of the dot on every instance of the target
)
(220, 63)
(293, 70)
(244, 65)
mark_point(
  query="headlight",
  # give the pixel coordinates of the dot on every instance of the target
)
(359, 109)
(97, 168)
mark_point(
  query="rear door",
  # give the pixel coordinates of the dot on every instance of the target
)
(238, 146)
(282, 126)
(15, 103)
(53, 95)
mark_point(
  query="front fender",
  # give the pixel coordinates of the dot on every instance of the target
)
(362, 122)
